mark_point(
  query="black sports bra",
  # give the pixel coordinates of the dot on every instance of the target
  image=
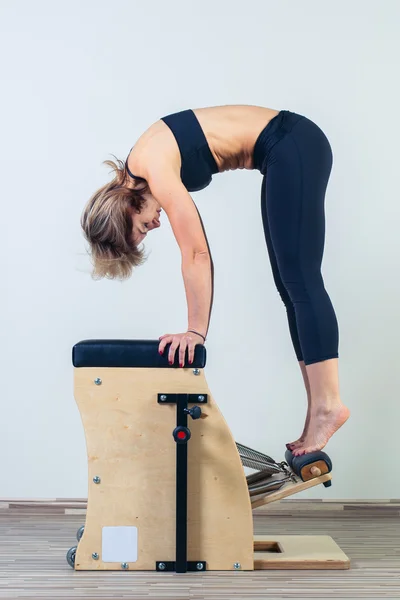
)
(198, 163)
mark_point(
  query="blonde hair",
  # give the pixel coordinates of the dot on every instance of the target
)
(107, 225)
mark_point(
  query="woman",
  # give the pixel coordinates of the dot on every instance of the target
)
(179, 154)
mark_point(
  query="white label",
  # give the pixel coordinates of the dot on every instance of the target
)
(119, 544)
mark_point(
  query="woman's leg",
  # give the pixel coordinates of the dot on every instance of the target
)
(291, 315)
(296, 180)
(301, 439)
(328, 413)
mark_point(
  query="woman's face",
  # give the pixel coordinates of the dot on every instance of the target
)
(147, 220)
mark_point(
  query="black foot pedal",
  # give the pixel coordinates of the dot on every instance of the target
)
(309, 465)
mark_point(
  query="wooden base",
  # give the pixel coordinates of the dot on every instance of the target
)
(298, 552)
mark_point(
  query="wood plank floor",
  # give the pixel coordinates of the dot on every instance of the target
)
(34, 541)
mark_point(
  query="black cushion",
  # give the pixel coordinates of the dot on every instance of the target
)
(130, 353)
(296, 463)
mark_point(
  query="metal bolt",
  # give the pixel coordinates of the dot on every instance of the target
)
(196, 372)
(95, 556)
(201, 398)
(161, 566)
(163, 397)
(96, 479)
(199, 566)
(237, 566)
(124, 565)
(98, 381)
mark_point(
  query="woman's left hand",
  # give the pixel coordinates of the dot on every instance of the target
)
(182, 341)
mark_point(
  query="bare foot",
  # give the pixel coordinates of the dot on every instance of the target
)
(321, 428)
(292, 445)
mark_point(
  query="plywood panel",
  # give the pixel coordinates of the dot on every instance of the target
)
(131, 448)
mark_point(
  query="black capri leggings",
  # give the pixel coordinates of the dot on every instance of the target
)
(295, 158)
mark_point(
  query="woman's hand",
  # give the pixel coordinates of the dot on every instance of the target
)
(182, 341)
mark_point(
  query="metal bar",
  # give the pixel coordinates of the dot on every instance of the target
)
(260, 475)
(181, 489)
(256, 464)
(265, 488)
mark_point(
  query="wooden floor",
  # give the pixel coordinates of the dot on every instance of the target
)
(34, 540)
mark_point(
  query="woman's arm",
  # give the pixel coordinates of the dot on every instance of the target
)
(198, 280)
(197, 266)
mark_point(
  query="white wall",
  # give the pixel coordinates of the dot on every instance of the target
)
(81, 81)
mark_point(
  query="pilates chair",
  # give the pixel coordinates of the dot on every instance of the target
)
(163, 496)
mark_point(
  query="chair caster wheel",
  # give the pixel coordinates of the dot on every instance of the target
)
(71, 556)
(79, 533)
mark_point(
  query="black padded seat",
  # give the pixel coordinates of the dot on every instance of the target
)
(130, 353)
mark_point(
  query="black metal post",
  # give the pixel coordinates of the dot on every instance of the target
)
(181, 489)
(182, 435)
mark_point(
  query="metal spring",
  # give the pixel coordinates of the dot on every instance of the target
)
(259, 461)
(246, 452)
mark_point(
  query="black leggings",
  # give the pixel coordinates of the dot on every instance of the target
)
(295, 158)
